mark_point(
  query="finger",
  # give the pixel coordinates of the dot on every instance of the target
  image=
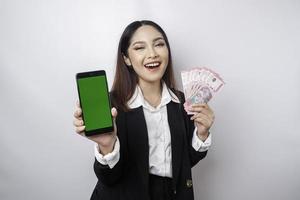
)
(203, 122)
(197, 109)
(205, 119)
(198, 105)
(77, 122)
(197, 115)
(210, 112)
(202, 115)
(202, 110)
(78, 113)
(80, 129)
(208, 108)
(114, 112)
(202, 105)
(77, 103)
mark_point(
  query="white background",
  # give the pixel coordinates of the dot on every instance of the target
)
(254, 45)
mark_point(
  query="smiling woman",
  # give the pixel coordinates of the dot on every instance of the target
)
(148, 55)
(143, 45)
(155, 144)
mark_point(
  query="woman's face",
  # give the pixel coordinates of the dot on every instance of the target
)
(148, 54)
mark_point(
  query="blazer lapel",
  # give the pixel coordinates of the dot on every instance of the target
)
(177, 130)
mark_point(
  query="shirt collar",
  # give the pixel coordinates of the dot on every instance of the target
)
(138, 100)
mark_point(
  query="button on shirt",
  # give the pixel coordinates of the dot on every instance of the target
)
(159, 137)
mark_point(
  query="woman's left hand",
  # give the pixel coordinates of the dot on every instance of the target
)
(204, 118)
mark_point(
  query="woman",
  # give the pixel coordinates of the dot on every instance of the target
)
(155, 143)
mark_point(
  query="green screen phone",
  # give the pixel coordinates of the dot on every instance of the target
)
(94, 101)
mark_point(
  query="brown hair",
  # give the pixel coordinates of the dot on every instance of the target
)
(126, 79)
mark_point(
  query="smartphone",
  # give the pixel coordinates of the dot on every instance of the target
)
(95, 102)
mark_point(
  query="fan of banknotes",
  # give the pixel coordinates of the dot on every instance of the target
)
(199, 86)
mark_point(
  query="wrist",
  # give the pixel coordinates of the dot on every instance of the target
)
(203, 136)
(107, 148)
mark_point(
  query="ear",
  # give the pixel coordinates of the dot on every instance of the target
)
(127, 60)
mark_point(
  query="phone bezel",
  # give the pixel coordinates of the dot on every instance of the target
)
(93, 74)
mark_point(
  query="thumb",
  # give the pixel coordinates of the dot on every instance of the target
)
(114, 112)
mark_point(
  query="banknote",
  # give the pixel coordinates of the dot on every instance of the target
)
(200, 85)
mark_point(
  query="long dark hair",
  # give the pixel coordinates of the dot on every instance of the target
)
(126, 79)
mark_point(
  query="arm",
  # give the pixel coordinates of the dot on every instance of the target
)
(105, 173)
(196, 154)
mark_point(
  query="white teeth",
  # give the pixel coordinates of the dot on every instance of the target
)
(152, 65)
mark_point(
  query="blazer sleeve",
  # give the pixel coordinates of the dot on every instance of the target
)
(109, 176)
(195, 156)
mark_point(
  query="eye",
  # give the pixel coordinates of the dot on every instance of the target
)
(139, 48)
(161, 44)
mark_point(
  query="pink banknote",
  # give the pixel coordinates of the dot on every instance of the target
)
(199, 86)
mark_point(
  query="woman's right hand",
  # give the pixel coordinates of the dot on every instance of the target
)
(105, 141)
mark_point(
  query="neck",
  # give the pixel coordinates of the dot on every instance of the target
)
(151, 92)
(151, 89)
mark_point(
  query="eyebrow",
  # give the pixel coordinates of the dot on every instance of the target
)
(154, 40)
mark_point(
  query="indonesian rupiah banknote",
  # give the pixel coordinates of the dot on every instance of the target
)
(200, 85)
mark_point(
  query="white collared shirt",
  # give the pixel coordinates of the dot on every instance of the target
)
(159, 137)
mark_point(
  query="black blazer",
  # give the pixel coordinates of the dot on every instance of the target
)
(128, 179)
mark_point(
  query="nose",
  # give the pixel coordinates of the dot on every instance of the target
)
(152, 53)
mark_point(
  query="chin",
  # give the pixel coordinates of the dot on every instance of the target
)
(151, 80)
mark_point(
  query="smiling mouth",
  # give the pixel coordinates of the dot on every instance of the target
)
(152, 65)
